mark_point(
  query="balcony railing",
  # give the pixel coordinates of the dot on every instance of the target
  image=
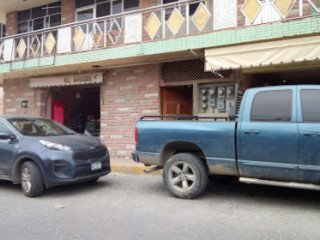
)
(183, 18)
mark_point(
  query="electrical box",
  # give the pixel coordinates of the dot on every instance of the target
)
(215, 99)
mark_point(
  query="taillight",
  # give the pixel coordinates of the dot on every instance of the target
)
(136, 136)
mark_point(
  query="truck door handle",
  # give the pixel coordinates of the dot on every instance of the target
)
(252, 131)
(309, 134)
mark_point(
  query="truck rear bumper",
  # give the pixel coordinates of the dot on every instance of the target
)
(147, 158)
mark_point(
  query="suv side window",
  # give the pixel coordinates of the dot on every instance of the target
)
(272, 106)
(4, 128)
(310, 103)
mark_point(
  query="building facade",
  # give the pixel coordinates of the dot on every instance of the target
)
(97, 66)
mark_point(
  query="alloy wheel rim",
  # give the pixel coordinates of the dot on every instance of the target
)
(26, 179)
(182, 176)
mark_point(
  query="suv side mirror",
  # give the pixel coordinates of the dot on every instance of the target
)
(7, 136)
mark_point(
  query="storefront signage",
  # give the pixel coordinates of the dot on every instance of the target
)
(67, 80)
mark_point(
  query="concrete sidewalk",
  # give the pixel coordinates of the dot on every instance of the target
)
(120, 165)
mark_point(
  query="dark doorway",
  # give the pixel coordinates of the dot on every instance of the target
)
(81, 108)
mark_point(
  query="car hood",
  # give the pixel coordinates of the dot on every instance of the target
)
(76, 142)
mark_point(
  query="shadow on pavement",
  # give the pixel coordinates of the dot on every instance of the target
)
(234, 190)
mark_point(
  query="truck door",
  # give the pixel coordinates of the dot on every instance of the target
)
(309, 134)
(267, 135)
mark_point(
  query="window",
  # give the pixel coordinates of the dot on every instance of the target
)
(4, 128)
(310, 102)
(40, 17)
(272, 106)
(101, 8)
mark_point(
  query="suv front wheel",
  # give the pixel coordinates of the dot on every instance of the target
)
(31, 180)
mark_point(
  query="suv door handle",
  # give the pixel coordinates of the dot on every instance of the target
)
(251, 131)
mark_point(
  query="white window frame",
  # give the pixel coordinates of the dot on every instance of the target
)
(94, 6)
(30, 21)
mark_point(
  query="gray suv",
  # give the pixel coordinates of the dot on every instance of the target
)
(39, 152)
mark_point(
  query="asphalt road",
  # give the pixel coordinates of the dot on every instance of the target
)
(123, 206)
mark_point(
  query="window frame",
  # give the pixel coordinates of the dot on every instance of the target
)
(96, 4)
(29, 22)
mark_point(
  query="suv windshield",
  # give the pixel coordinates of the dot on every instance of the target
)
(40, 127)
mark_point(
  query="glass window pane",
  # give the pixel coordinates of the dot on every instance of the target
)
(84, 3)
(103, 9)
(4, 128)
(38, 12)
(101, 1)
(310, 102)
(55, 20)
(84, 15)
(38, 23)
(54, 8)
(131, 5)
(23, 27)
(24, 15)
(117, 7)
(272, 106)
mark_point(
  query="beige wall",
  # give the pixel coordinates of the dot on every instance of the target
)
(1, 100)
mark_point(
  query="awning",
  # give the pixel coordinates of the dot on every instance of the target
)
(269, 53)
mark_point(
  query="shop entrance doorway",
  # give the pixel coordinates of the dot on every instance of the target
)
(177, 100)
(78, 107)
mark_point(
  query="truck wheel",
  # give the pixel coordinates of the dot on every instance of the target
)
(31, 180)
(185, 175)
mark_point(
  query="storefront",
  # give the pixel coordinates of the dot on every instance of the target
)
(73, 100)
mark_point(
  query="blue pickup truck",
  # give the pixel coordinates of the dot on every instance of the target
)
(274, 139)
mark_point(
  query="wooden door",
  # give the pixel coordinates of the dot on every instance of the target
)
(177, 101)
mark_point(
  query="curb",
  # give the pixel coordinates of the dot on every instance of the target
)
(136, 170)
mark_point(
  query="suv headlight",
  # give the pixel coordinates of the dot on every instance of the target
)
(55, 146)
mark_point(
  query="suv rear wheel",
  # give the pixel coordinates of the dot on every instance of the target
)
(185, 175)
(31, 180)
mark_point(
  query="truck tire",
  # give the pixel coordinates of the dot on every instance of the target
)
(185, 175)
(31, 180)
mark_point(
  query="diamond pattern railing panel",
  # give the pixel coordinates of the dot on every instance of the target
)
(50, 43)
(153, 25)
(35, 46)
(283, 6)
(175, 21)
(250, 9)
(201, 17)
(79, 38)
(21, 48)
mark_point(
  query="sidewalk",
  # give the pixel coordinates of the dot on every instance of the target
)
(128, 166)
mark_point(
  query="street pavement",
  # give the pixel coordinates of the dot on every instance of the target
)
(125, 206)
